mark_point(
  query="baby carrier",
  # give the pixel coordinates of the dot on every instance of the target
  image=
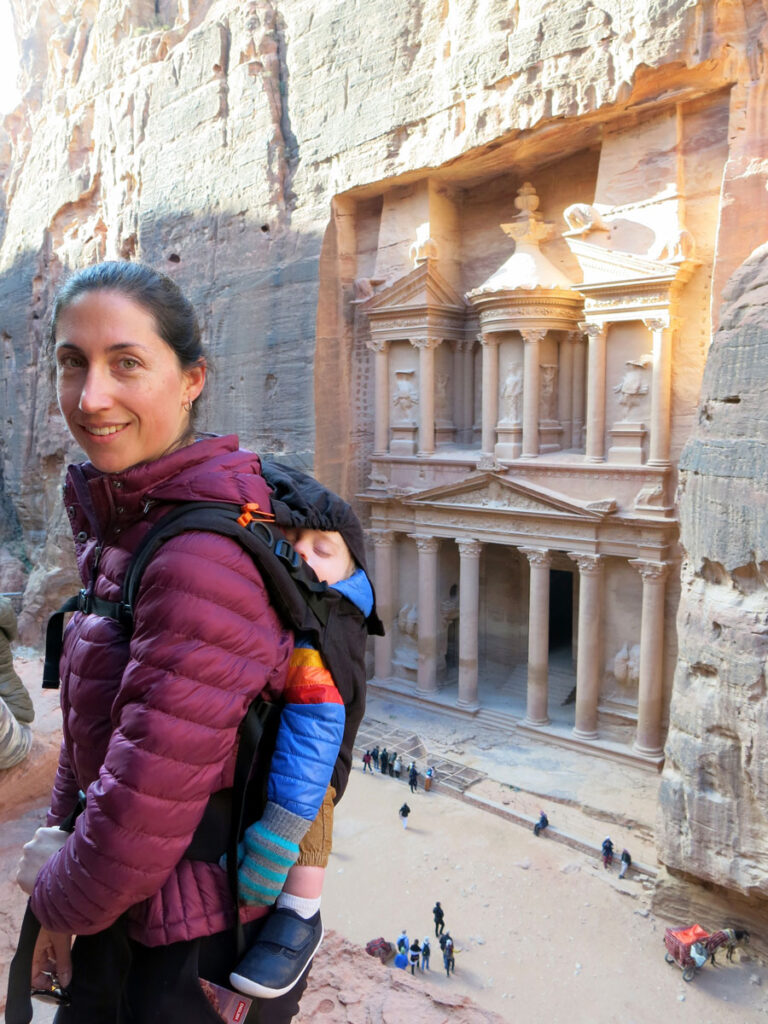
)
(333, 624)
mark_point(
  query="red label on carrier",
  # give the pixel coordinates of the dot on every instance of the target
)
(238, 1014)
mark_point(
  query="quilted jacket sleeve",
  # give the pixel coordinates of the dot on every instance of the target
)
(205, 643)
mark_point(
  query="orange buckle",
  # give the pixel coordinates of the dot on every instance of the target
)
(251, 511)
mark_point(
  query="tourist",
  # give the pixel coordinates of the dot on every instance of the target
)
(414, 954)
(413, 776)
(391, 766)
(404, 811)
(449, 961)
(626, 860)
(367, 762)
(439, 916)
(425, 951)
(16, 708)
(402, 943)
(162, 714)
(429, 774)
(384, 759)
(375, 757)
(607, 851)
(398, 767)
(541, 824)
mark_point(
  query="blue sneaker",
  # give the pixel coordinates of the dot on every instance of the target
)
(279, 956)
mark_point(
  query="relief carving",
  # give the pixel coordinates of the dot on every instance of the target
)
(511, 394)
(406, 395)
(633, 384)
(548, 392)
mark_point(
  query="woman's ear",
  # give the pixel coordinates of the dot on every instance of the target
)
(195, 381)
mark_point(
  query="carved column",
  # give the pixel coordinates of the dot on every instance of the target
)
(538, 636)
(650, 690)
(565, 388)
(426, 347)
(588, 665)
(490, 393)
(426, 674)
(531, 345)
(661, 385)
(384, 542)
(595, 447)
(463, 392)
(469, 617)
(468, 378)
(579, 381)
(381, 396)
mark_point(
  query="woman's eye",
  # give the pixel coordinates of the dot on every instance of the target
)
(70, 362)
(128, 363)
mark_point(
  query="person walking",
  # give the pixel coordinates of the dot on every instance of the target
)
(449, 961)
(425, 951)
(404, 811)
(367, 762)
(439, 916)
(402, 943)
(626, 860)
(414, 954)
(413, 776)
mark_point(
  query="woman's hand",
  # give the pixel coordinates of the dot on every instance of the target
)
(52, 959)
(36, 853)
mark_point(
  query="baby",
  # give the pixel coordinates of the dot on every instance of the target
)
(285, 853)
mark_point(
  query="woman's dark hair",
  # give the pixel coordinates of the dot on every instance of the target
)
(161, 297)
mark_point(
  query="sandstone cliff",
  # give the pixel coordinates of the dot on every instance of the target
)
(714, 791)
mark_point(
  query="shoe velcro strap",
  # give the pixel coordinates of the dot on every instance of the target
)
(291, 933)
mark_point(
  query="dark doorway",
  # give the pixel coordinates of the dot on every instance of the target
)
(560, 609)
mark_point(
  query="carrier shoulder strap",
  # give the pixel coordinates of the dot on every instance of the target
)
(299, 599)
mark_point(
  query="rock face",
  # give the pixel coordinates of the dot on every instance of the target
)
(264, 156)
(714, 788)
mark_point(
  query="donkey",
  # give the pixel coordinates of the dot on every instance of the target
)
(731, 938)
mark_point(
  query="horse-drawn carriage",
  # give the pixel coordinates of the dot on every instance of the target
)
(690, 948)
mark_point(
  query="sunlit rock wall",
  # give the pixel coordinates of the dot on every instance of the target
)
(713, 812)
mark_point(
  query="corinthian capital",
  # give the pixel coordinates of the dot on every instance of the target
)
(469, 547)
(540, 557)
(589, 565)
(593, 329)
(377, 344)
(425, 342)
(382, 538)
(653, 572)
(533, 337)
(424, 543)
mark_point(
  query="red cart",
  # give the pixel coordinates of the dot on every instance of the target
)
(687, 947)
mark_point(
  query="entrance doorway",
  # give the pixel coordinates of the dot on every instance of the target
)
(560, 610)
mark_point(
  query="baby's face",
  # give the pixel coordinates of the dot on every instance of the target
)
(326, 552)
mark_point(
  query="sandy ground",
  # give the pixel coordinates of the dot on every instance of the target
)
(542, 933)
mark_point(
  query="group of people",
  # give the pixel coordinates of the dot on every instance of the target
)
(607, 854)
(390, 763)
(415, 954)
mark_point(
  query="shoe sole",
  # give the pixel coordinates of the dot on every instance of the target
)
(248, 987)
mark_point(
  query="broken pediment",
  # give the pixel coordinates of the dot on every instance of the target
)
(422, 288)
(484, 491)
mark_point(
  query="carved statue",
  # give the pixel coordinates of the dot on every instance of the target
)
(510, 395)
(583, 218)
(633, 385)
(650, 496)
(442, 406)
(406, 396)
(676, 245)
(547, 388)
(626, 665)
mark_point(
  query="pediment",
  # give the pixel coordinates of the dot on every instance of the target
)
(608, 266)
(422, 288)
(495, 492)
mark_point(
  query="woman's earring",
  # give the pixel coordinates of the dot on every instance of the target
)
(187, 406)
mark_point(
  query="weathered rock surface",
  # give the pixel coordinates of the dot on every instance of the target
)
(714, 791)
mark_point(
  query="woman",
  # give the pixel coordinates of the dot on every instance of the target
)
(150, 724)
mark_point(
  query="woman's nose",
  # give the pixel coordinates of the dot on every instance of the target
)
(96, 393)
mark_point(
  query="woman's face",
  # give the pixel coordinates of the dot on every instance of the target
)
(120, 386)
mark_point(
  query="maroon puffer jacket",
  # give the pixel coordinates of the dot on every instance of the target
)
(150, 726)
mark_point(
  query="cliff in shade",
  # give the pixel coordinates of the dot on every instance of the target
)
(713, 807)
(279, 158)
